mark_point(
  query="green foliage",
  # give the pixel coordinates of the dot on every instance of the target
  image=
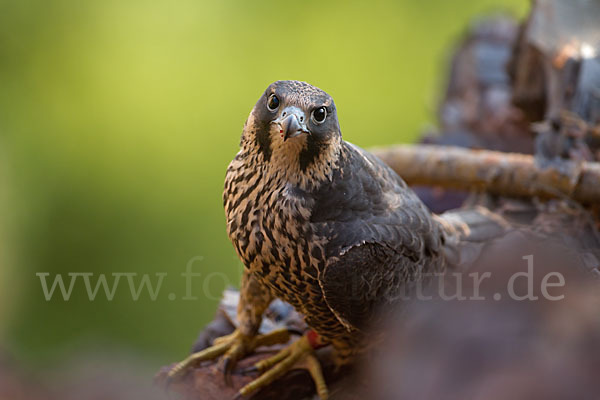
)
(119, 118)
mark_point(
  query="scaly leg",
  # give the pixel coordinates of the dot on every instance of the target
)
(254, 300)
(232, 347)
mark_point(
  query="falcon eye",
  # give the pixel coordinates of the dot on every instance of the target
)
(319, 115)
(273, 102)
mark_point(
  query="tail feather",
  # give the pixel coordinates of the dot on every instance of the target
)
(466, 231)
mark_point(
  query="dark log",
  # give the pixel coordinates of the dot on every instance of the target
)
(476, 110)
(556, 77)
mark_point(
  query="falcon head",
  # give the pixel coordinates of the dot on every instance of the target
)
(293, 125)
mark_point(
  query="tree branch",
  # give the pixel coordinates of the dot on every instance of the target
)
(508, 174)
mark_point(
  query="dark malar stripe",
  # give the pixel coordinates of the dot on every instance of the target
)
(310, 153)
(263, 139)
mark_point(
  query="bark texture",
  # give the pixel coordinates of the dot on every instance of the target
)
(507, 174)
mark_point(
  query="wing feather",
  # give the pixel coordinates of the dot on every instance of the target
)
(380, 237)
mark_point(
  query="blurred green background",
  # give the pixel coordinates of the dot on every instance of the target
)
(117, 122)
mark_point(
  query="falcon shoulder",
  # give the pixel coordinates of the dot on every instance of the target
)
(379, 235)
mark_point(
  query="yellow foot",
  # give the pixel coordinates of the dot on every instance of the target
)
(299, 354)
(232, 347)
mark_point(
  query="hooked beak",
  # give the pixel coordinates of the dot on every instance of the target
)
(291, 122)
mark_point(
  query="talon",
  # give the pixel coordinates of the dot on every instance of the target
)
(182, 367)
(230, 348)
(220, 346)
(238, 396)
(227, 368)
(249, 370)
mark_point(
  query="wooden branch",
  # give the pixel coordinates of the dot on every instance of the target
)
(508, 174)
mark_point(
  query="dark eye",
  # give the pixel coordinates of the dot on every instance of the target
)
(319, 115)
(273, 102)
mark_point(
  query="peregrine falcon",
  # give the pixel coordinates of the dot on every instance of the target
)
(321, 224)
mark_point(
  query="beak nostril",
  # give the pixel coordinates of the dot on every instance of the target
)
(290, 122)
